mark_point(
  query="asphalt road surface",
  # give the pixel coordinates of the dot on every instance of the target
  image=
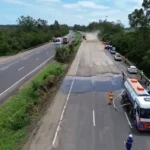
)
(86, 121)
(89, 123)
(11, 73)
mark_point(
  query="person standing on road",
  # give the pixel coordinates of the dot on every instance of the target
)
(111, 97)
(123, 75)
(129, 142)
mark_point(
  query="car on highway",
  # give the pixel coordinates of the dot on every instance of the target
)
(113, 50)
(117, 57)
(132, 69)
(106, 46)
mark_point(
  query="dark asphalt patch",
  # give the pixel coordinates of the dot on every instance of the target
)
(100, 83)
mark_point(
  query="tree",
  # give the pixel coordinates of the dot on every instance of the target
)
(42, 23)
(27, 23)
(136, 18)
(56, 24)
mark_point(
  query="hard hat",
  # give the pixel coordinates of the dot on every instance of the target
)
(130, 135)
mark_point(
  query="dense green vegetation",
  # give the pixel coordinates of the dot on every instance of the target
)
(133, 43)
(79, 27)
(64, 54)
(28, 33)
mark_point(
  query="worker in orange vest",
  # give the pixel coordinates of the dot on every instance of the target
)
(111, 97)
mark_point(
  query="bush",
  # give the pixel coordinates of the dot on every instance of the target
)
(63, 54)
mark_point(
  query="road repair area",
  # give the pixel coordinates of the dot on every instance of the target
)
(80, 117)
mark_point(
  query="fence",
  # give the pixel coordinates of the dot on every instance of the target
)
(143, 79)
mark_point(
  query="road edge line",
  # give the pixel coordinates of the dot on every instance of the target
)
(128, 120)
(62, 114)
(93, 118)
(26, 75)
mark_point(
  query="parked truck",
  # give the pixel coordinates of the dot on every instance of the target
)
(137, 101)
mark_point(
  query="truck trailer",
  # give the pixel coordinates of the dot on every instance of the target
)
(65, 40)
(138, 103)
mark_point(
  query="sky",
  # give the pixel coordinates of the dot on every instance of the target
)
(68, 11)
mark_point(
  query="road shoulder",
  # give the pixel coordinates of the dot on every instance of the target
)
(43, 137)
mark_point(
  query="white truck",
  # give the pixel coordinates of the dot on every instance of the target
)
(138, 103)
(66, 39)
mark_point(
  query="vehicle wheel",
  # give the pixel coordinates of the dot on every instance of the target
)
(122, 101)
(131, 113)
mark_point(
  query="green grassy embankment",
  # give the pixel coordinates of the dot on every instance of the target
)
(18, 114)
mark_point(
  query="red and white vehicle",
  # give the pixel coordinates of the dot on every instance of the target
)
(139, 103)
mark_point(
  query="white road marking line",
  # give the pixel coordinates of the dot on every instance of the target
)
(37, 59)
(27, 75)
(5, 68)
(93, 118)
(113, 82)
(25, 58)
(20, 68)
(62, 114)
(14, 63)
(47, 53)
(128, 120)
(92, 81)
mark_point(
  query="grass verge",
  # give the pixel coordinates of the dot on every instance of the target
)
(21, 110)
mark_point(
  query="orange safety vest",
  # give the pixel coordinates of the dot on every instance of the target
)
(111, 96)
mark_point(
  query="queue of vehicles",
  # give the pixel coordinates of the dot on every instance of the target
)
(60, 41)
(118, 57)
(135, 98)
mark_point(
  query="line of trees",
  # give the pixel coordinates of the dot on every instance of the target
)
(135, 43)
(28, 33)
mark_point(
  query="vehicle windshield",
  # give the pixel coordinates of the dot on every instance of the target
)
(132, 67)
(145, 113)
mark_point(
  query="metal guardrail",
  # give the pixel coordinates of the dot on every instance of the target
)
(143, 78)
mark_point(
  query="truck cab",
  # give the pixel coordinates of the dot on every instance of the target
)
(139, 103)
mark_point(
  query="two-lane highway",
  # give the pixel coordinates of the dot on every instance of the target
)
(20, 69)
(89, 123)
(14, 73)
(80, 117)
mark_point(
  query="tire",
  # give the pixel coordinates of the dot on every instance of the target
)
(131, 113)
